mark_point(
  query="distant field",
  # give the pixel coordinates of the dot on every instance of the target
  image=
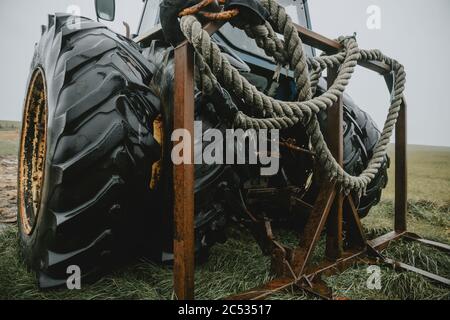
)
(237, 264)
(9, 142)
(428, 174)
(9, 125)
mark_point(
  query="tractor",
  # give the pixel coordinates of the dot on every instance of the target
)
(95, 171)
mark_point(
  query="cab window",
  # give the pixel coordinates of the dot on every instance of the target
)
(150, 17)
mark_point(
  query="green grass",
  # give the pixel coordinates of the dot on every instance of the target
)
(9, 137)
(223, 274)
(234, 266)
(425, 218)
(9, 142)
(428, 174)
(237, 265)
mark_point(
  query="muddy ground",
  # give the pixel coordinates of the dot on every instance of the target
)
(8, 194)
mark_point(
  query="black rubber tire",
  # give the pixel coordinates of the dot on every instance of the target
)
(368, 134)
(360, 138)
(95, 200)
(210, 217)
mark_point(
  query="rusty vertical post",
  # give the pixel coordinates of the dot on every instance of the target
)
(401, 171)
(183, 176)
(401, 168)
(335, 141)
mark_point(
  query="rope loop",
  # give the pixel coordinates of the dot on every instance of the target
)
(270, 113)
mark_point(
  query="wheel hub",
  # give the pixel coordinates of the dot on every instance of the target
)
(33, 147)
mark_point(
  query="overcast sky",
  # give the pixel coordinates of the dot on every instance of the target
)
(415, 32)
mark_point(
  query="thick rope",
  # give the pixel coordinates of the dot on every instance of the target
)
(270, 113)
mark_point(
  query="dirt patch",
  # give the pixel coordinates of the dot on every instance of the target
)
(8, 193)
(9, 135)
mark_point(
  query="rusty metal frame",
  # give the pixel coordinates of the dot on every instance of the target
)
(291, 265)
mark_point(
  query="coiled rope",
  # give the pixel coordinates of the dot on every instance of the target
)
(213, 68)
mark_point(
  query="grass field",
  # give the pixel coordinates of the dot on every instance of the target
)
(237, 264)
(9, 143)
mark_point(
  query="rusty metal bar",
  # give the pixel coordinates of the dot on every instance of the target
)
(328, 45)
(378, 67)
(440, 246)
(355, 232)
(183, 176)
(295, 148)
(335, 140)
(332, 267)
(303, 203)
(429, 275)
(401, 171)
(156, 32)
(317, 40)
(309, 37)
(316, 287)
(265, 290)
(383, 241)
(311, 275)
(316, 221)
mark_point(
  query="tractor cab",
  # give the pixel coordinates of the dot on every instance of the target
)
(232, 38)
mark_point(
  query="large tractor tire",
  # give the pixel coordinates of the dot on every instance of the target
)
(86, 152)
